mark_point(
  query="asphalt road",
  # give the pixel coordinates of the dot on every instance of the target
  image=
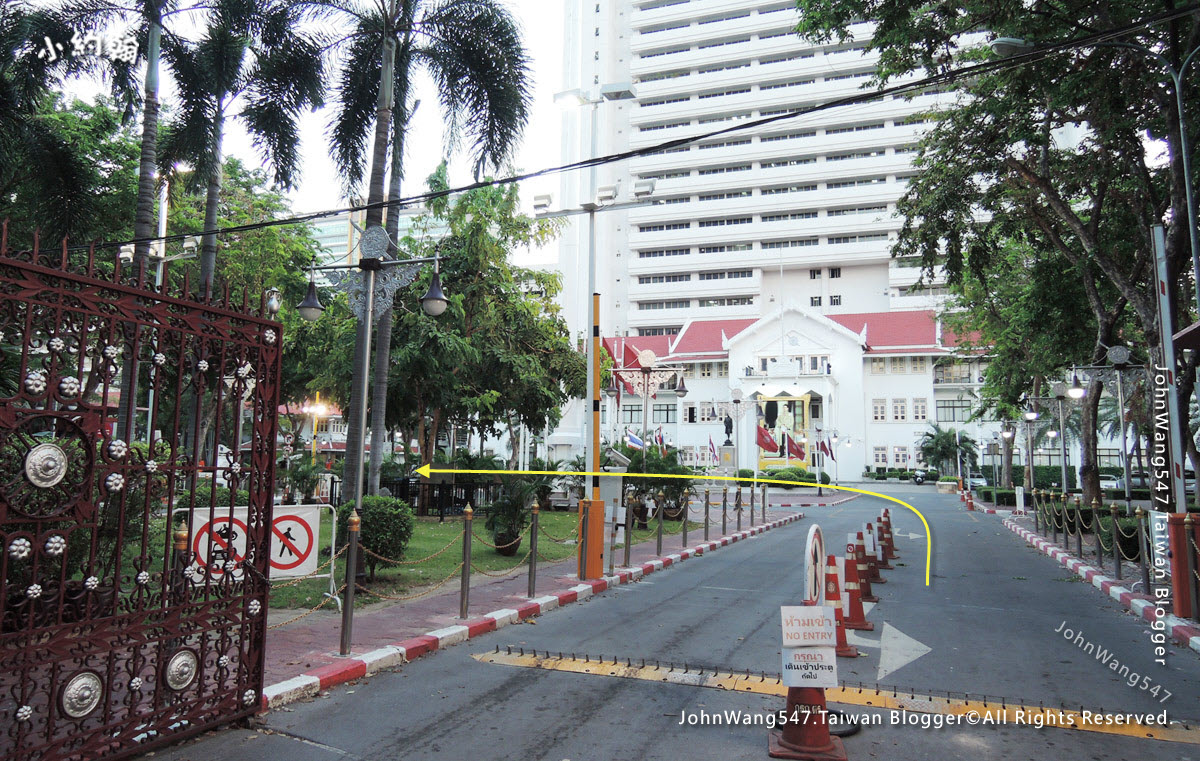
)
(989, 621)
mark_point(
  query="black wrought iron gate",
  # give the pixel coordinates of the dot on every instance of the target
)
(122, 625)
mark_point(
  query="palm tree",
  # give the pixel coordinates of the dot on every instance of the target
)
(946, 446)
(473, 51)
(251, 55)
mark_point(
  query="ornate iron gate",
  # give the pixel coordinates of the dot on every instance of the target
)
(113, 638)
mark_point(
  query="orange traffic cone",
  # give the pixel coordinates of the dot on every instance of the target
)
(805, 735)
(872, 554)
(864, 570)
(970, 502)
(890, 548)
(881, 556)
(833, 598)
(855, 617)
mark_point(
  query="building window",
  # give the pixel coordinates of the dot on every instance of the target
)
(706, 369)
(835, 272)
(708, 413)
(1108, 458)
(880, 456)
(918, 457)
(879, 409)
(919, 364)
(900, 456)
(663, 413)
(814, 301)
(878, 365)
(899, 411)
(722, 369)
(814, 410)
(952, 372)
(814, 274)
(671, 331)
(920, 410)
(953, 410)
(689, 412)
(835, 300)
(631, 414)
(899, 364)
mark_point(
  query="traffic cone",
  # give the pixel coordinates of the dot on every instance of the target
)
(808, 736)
(873, 574)
(833, 598)
(855, 617)
(970, 502)
(890, 547)
(864, 570)
(881, 557)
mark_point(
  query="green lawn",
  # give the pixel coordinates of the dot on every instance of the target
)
(439, 548)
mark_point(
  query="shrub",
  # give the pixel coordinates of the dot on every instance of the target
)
(826, 478)
(745, 477)
(387, 526)
(785, 475)
(948, 479)
(204, 491)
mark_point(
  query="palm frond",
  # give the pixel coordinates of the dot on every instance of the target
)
(473, 50)
(355, 95)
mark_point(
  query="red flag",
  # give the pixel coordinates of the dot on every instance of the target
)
(829, 450)
(765, 441)
(795, 449)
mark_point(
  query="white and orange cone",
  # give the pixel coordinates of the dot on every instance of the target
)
(833, 598)
(855, 617)
(864, 570)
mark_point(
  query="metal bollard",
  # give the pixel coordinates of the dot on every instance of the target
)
(533, 537)
(1143, 551)
(737, 507)
(1078, 530)
(706, 513)
(1116, 539)
(1054, 519)
(751, 507)
(464, 589)
(658, 505)
(612, 537)
(724, 510)
(764, 503)
(1096, 506)
(628, 532)
(1037, 510)
(354, 524)
(687, 510)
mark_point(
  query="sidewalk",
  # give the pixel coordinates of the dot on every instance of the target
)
(301, 659)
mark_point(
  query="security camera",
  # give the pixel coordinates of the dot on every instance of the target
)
(606, 194)
(643, 188)
(542, 202)
(126, 253)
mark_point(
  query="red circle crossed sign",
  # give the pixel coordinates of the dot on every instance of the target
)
(283, 541)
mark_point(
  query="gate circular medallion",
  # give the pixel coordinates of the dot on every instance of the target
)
(181, 669)
(82, 694)
(45, 465)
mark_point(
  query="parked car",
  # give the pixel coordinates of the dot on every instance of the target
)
(975, 479)
(1140, 479)
(1110, 482)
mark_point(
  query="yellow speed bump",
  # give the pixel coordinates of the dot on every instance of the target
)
(991, 711)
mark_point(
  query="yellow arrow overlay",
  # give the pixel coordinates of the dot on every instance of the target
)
(425, 470)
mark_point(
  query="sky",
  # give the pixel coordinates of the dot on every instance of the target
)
(320, 187)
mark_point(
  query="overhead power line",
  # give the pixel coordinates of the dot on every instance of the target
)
(1037, 53)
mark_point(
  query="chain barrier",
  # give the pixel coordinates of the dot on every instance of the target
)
(416, 596)
(553, 538)
(307, 613)
(377, 556)
(503, 573)
(308, 576)
(513, 543)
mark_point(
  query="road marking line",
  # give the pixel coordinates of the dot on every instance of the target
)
(993, 713)
(732, 589)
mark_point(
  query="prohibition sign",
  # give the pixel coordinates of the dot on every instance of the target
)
(221, 541)
(286, 543)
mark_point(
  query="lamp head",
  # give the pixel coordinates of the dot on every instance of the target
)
(1076, 391)
(311, 309)
(434, 301)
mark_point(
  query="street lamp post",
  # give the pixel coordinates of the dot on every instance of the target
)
(317, 410)
(1118, 357)
(385, 276)
(1030, 416)
(995, 453)
(1008, 434)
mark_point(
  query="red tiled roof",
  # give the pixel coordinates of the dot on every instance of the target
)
(660, 345)
(892, 329)
(705, 335)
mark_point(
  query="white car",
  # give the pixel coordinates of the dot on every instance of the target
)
(976, 480)
(1110, 482)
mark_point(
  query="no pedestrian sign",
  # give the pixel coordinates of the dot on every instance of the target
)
(219, 544)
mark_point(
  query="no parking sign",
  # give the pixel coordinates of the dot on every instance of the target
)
(219, 545)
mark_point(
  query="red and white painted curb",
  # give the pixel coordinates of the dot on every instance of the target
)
(346, 669)
(1181, 631)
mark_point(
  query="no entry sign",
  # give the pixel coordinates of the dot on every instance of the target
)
(219, 545)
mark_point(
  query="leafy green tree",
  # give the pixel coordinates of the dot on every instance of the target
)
(1055, 147)
(473, 51)
(946, 447)
(47, 180)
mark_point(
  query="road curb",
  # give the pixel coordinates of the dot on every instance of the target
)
(1182, 632)
(349, 668)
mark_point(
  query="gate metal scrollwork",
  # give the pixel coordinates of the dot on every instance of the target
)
(112, 639)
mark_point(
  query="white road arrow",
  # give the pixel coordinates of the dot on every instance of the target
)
(910, 536)
(897, 649)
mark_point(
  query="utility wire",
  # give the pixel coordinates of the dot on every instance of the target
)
(1036, 53)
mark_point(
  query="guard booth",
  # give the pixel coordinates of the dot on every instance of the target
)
(601, 523)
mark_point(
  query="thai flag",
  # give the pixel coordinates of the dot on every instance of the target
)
(712, 449)
(632, 441)
(661, 442)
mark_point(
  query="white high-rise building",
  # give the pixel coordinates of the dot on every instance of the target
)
(761, 261)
